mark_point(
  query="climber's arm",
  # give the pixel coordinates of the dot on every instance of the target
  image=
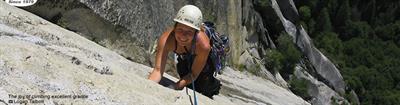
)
(163, 47)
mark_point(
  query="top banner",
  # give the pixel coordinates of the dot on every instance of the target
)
(21, 3)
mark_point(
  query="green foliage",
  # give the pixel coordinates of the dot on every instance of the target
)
(334, 101)
(299, 87)
(351, 98)
(389, 31)
(254, 69)
(343, 16)
(286, 56)
(305, 13)
(354, 82)
(330, 44)
(363, 39)
(62, 23)
(264, 3)
(324, 21)
(311, 27)
(275, 60)
(287, 47)
(242, 67)
(357, 29)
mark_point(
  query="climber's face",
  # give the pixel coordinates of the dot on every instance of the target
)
(184, 34)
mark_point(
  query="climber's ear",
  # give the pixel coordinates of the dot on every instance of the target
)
(202, 27)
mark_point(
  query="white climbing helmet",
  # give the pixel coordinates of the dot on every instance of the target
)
(190, 15)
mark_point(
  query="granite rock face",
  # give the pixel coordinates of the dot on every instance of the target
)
(321, 63)
(329, 86)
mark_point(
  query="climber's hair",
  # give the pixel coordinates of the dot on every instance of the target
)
(176, 23)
